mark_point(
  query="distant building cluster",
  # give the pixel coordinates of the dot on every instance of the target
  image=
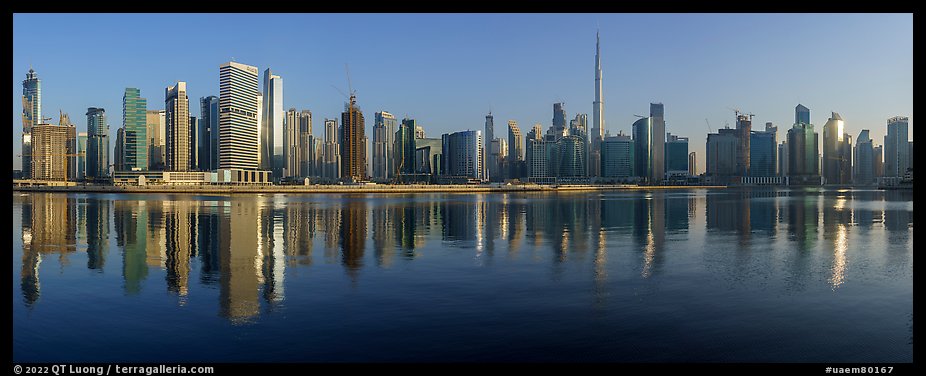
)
(246, 136)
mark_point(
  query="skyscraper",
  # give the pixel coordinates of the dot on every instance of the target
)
(676, 156)
(491, 163)
(331, 166)
(271, 127)
(81, 156)
(743, 136)
(801, 114)
(803, 154)
(642, 130)
(837, 157)
(209, 123)
(53, 147)
(353, 148)
(97, 144)
(119, 151)
(134, 121)
(721, 153)
(763, 152)
(617, 157)
(238, 142)
(195, 138)
(896, 147)
(559, 119)
(177, 123)
(658, 150)
(515, 150)
(783, 158)
(879, 161)
(292, 153)
(306, 145)
(384, 128)
(155, 131)
(863, 173)
(573, 157)
(597, 115)
(462, 154)
(405, 146)
(32, 116)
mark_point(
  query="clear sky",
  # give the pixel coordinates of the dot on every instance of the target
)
(448, 70)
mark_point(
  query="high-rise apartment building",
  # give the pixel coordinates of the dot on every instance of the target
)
(617, 157)
(271, 127)
(177, 123)
(209, 125)
(97, 145)
(658, 149)
(462, 154)
(238, 141)
(837, 152)
(863, 171)
(154, 122)
(384, 128)
(331, 165)
(896, 147)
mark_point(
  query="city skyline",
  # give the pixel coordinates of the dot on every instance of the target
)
(517, 85)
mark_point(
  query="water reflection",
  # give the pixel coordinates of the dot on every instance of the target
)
(247, 246)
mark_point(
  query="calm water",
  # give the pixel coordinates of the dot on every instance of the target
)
(674, 276)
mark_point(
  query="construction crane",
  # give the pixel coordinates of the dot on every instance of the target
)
(709, 130)
(639, 116)
(350, 87)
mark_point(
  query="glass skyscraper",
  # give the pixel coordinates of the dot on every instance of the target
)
(617, 157)
(657, 161)
(763, 154)
(271, 127)
(209, 125)
(642, 130)
(32, 116)
(676, 155)
(384, 128)
(462, 154)
(134, 121)
(97, 144)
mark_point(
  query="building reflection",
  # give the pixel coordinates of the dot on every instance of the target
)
(97, 232)
(49, 226)
(898, 213)
(730, 211)
(179, 224)
(208, 225)
(272, 251)
(353, 235)
(239, 261)
(130, 219)
(384, 226)
(299, 233)
(803, 218)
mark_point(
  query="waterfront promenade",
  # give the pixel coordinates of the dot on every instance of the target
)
(369, 188)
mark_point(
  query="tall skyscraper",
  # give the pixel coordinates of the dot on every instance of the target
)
(879, 161)
(154, 120)
(783, 159)
(177, 123)
(515, 150)
(657, 159)
(384, 128)
(32, 116)
(579, 126)
(491, 164)
(271, 127)
(462, 154)
(134, 121)
(837, 147)
(97, 145)
(559, 119)
(306, 145)
(292, 153)
(617, 157)
(405, 147)
(763, 152)
(896, 147)
(573, 157)
(597, 115)
(209, 123)
(676, 155)
(803, 154)
(642, 130)
(743, 136)
(332, 153)
(81, 156)
(119, 151)
(195, 139)
(863, 172)
(721, 153)
(801, 114)
(538, 157)
(238, 142)
(353, 149)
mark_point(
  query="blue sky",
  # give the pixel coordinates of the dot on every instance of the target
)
(447, 70)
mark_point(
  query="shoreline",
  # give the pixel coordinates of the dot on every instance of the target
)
(320, 189)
